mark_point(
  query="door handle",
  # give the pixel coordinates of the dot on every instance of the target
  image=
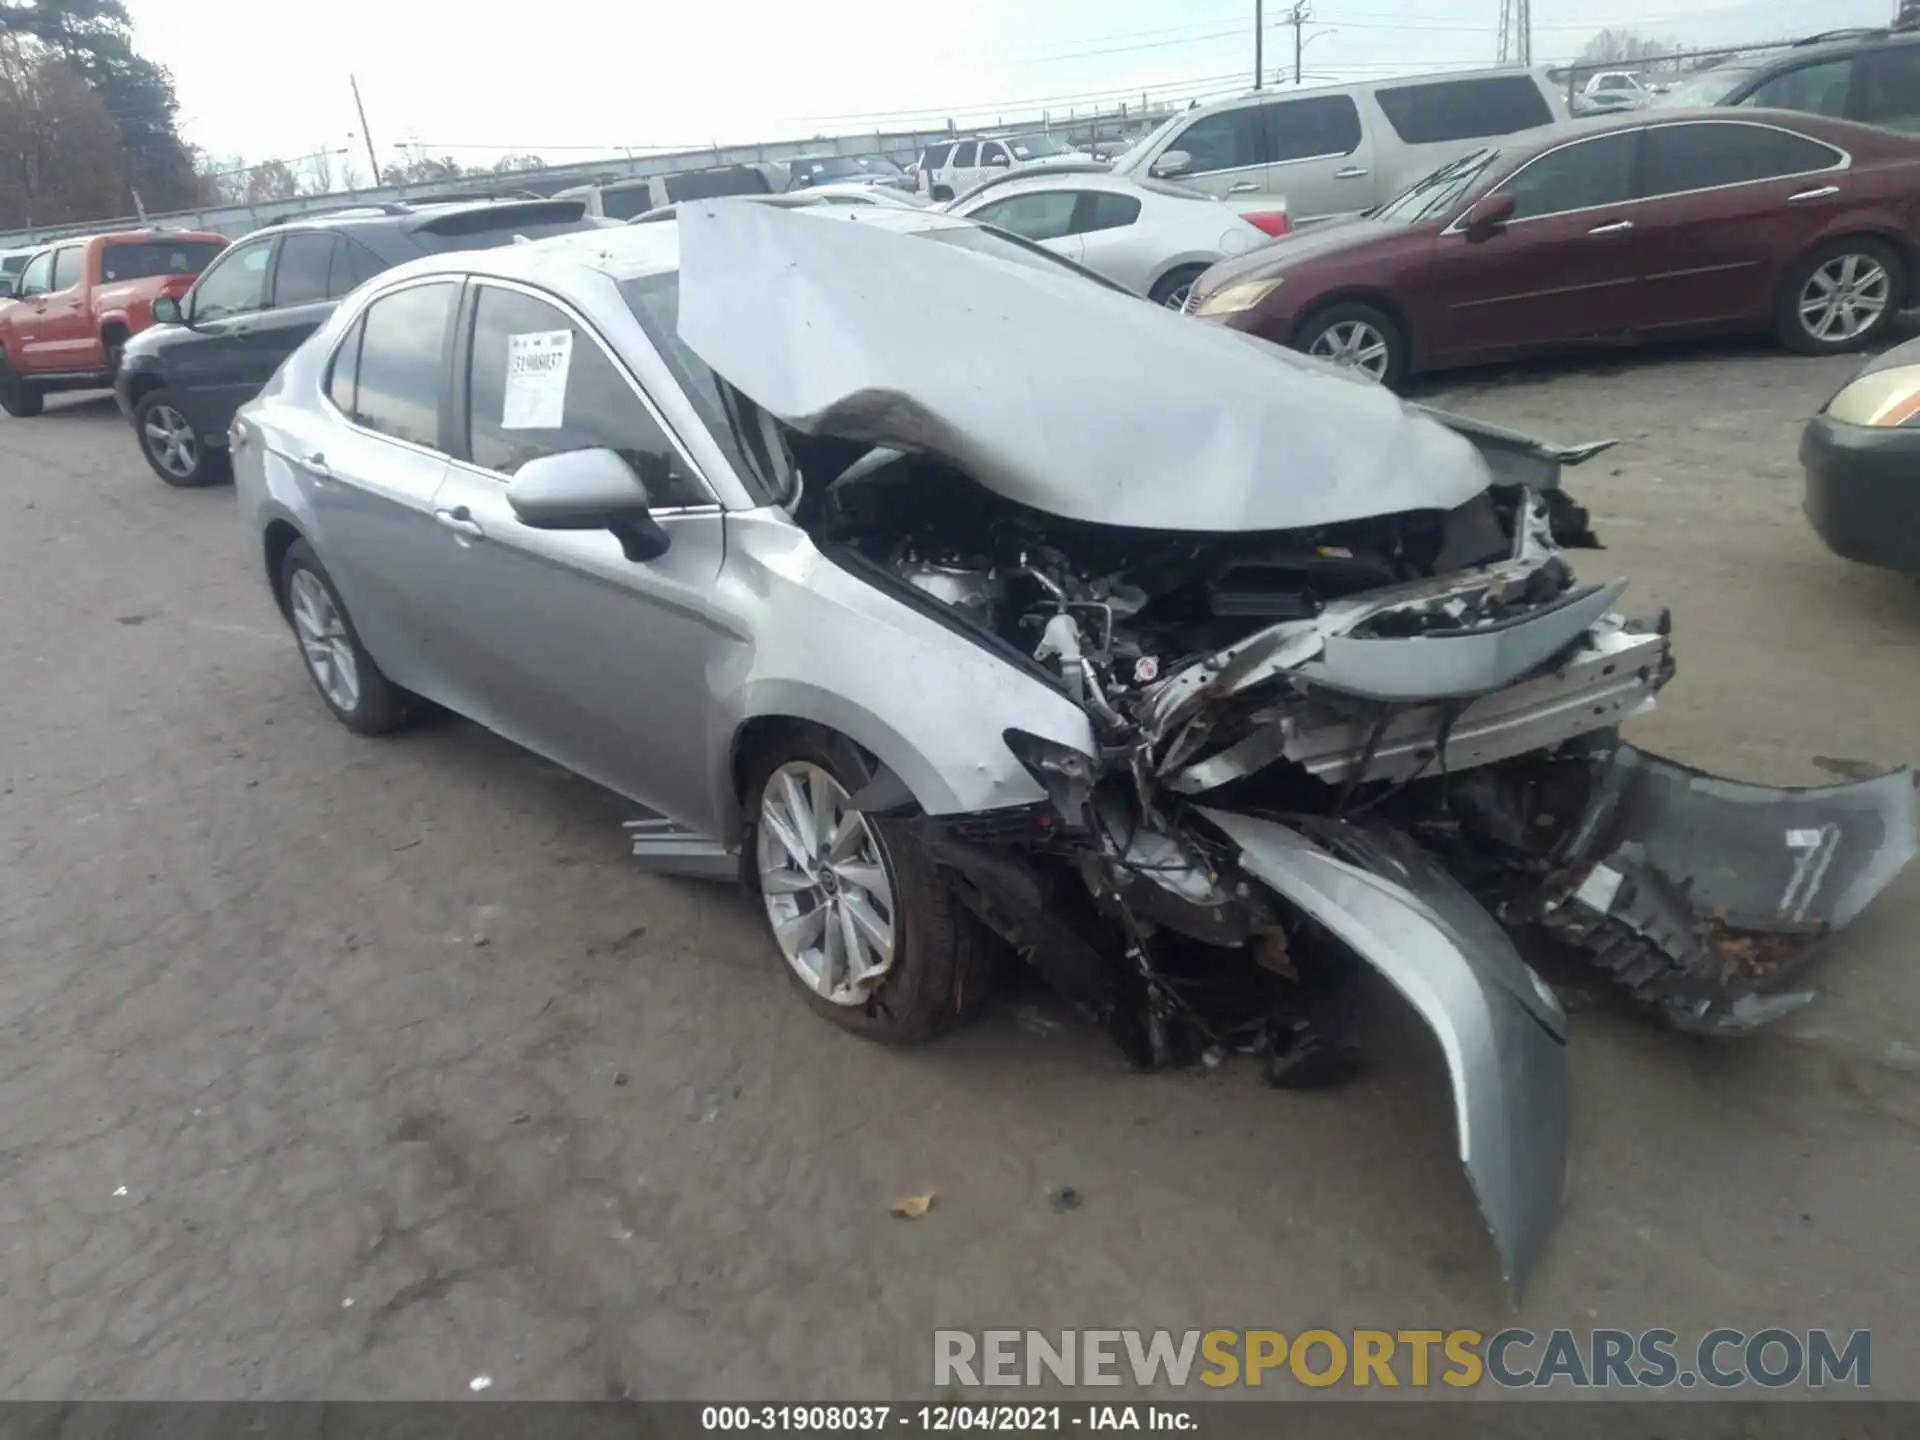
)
(460, 520)
(1242, 187)
(1351, 172)
(1819, 194)
(1612, 227)
(316, 465)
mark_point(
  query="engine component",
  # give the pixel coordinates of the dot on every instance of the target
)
(975, 593)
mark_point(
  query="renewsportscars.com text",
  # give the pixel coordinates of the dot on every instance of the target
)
(1601, 1359)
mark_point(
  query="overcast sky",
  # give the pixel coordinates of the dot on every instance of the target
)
(571, 79)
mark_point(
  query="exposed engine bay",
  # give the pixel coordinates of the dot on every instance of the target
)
(1429, 697)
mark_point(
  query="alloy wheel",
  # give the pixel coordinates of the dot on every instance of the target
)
(1353, 345)
(826, 882)
(1177, 297)
(323, 640)
(170, 440)
(1844, 298)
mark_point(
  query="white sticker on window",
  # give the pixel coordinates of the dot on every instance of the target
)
(1805, 839)
(536, 392)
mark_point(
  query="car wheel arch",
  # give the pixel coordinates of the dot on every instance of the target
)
(279, 537)
(1379, 300)
(1904, 246)
(142, 384)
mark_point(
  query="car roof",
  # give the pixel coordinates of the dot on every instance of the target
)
(1385, 82)
(1090, 176)
(1829, 130)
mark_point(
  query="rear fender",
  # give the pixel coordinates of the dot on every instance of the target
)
(1500, 1028)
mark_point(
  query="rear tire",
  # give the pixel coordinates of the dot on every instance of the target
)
(1836, 287)
(19, 397)
(169, 444)
(1359, 337)
(1171, 288)
(361, 698)
(943, 959)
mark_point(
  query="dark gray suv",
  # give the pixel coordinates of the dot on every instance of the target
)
(1871, 76)
(181, 382)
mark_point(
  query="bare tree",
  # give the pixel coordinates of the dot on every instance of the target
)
(319, 179)
(508, 164)
(271, 180)
(1623, 47)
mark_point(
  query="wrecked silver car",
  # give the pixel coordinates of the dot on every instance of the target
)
(963, 606)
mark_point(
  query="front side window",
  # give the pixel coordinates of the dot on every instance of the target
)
(69, 266)
(37, 278)
(235, 284)
(992, 152)
(1575, 177)
(540, 384)
(303, 274)
(934, 156)
(1229, 140)
(146, 259)
(1464, 109)
(1812, 89)
(1886, 89)
(403, 346)
(1040, 215)
(1305, 129)
(1679, 158)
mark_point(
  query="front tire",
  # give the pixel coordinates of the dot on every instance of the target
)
(867, 927)
(1841, 296)
(361, 698)
(1172, 288)
(19, 396)
(170, 445)
(1358, 337)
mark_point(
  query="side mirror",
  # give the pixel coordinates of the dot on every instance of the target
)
(1490, 216)
(1174, 162)
(166, 311)
(588, 490)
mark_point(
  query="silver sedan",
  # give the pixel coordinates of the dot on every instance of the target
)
(1152, 237)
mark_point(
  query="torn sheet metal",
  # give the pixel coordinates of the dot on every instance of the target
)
(1501, 1029)
(1515, 458)
(1704, 896)
(1041, 386)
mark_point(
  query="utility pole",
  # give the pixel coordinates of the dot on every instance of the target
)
(365, 134)
(1297, 18)
(1259, 34)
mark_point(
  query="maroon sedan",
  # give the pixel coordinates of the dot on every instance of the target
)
(1641, 227)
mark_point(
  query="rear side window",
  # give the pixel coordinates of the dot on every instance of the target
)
(402, 366)
(1303, 129)
(345, 367)
(1886, 88)
(1463, 109)
(963, 155)
(934, 156)
(304, 270)
(1229, 140)
(147, 259)
(1678, 158)
(623, 202)
(710, 184)
(353, 266)
(1575, 177)
(68, 265)
(539, 384)
(1103, 210)
(1046, 215)
(1812, 89)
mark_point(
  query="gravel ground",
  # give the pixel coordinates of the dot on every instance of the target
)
(350, 1068)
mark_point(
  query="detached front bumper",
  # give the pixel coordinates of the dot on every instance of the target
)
(1863, 491)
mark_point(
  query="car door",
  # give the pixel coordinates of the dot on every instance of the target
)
(36, 280)
(62, 327)
(1318, 157)
(1562, 270)
(1727, 202)
(1045, 217)
(566, 646)
(1226, 152)
(216, 371)
(299, 296)
(371, 475)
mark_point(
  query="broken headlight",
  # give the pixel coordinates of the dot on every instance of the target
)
(1235, 298)
(1881, 398)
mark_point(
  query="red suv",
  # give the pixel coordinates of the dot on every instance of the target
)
(78, 301)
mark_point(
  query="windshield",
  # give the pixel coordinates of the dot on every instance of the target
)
(829, 167)
(1439, 192)
(878, 165)
(1709, 87)
(1036, 147)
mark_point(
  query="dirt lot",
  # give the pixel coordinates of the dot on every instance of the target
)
(337, 1067)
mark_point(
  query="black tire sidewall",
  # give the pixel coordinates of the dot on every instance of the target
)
(917, 997)
(1317, 323)
(206, 468)
(1792, 331)
(18, 395)
(1173, 280)
(381, 707)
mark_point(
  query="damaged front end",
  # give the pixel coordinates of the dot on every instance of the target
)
(1366, 713)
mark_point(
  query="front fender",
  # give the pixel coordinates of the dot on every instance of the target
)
(1500, 1028)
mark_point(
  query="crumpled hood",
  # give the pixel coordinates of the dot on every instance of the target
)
(1046, 388)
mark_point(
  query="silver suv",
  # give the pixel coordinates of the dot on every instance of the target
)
(1334, 150)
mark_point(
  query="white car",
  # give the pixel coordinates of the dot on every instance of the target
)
(1149, 236)
(954, 167)
(1612, 90)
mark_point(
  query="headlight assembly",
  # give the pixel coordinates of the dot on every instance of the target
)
(1883, 398)
(1235, 298)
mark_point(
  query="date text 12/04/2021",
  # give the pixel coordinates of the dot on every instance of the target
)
(946, 1418)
